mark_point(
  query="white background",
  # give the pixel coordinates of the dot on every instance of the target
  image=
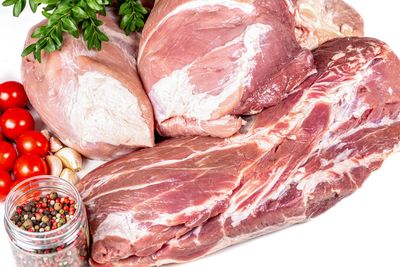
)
(362, 230)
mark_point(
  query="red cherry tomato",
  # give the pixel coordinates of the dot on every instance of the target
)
(16, 121)
(8, 155)
(29, 165)
(14, 184)
(33, 142)
(5, 184)
(12, 95)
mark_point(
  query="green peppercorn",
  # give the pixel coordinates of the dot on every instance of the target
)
(61, 211)
(47, 228)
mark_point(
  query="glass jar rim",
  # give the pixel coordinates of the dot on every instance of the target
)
(8, 204)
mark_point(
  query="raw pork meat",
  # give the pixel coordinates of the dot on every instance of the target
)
(205, 62)
(318, 21)
(92, 100)
(189, 197)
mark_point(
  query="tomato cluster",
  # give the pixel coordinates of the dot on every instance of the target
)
(21, 148)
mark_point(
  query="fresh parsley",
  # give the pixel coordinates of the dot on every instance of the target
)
(76, 17)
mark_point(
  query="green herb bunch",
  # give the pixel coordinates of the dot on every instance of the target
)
(76, 17)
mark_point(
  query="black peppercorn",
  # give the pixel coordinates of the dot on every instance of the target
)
(27, 207)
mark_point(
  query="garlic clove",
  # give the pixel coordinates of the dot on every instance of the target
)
(55, 165)
(55, 144)
(70, 158)
(69, 175)
(46, 134)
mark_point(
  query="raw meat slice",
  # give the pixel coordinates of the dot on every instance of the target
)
(318, 21)
(186, 198)
(205, 62)
(92, 100)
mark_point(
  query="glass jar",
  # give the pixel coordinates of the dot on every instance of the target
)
(64, 246)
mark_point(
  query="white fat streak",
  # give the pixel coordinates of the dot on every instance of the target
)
(192, 5)
(104, 111)
(121, 224)
(128, 188)
(309, 183)
(174, 95)
(238, 216)
(169, 219)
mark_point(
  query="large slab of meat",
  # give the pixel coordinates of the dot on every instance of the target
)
(204, 63)
(92, 100)
(190, 197)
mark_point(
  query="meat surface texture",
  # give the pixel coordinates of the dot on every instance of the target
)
(190, 197)
(92, 100)
(318, 21)
(203, 63)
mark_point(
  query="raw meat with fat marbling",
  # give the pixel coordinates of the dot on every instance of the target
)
(92, 100)
(203, 63)
(189, 197)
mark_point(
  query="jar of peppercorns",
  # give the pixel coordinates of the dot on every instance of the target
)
(46, 223)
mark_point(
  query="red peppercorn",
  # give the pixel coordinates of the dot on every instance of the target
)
(38, 205)
(40, 210)
(71, 212)
(37, 199)
(48, 196)
(19, 210)
(31, 230)
(44, 205)
(72, 202)
(58, 200)
(65, 208)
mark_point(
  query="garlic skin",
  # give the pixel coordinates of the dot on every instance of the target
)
(70, 176)
(70, 158)
(55, 165)
(55, 144)
(46, 134)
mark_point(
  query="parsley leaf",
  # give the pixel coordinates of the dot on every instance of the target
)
(74, 17)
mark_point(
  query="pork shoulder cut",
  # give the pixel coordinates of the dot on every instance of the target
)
(92, 100)
(189, 197)
(205, 62)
